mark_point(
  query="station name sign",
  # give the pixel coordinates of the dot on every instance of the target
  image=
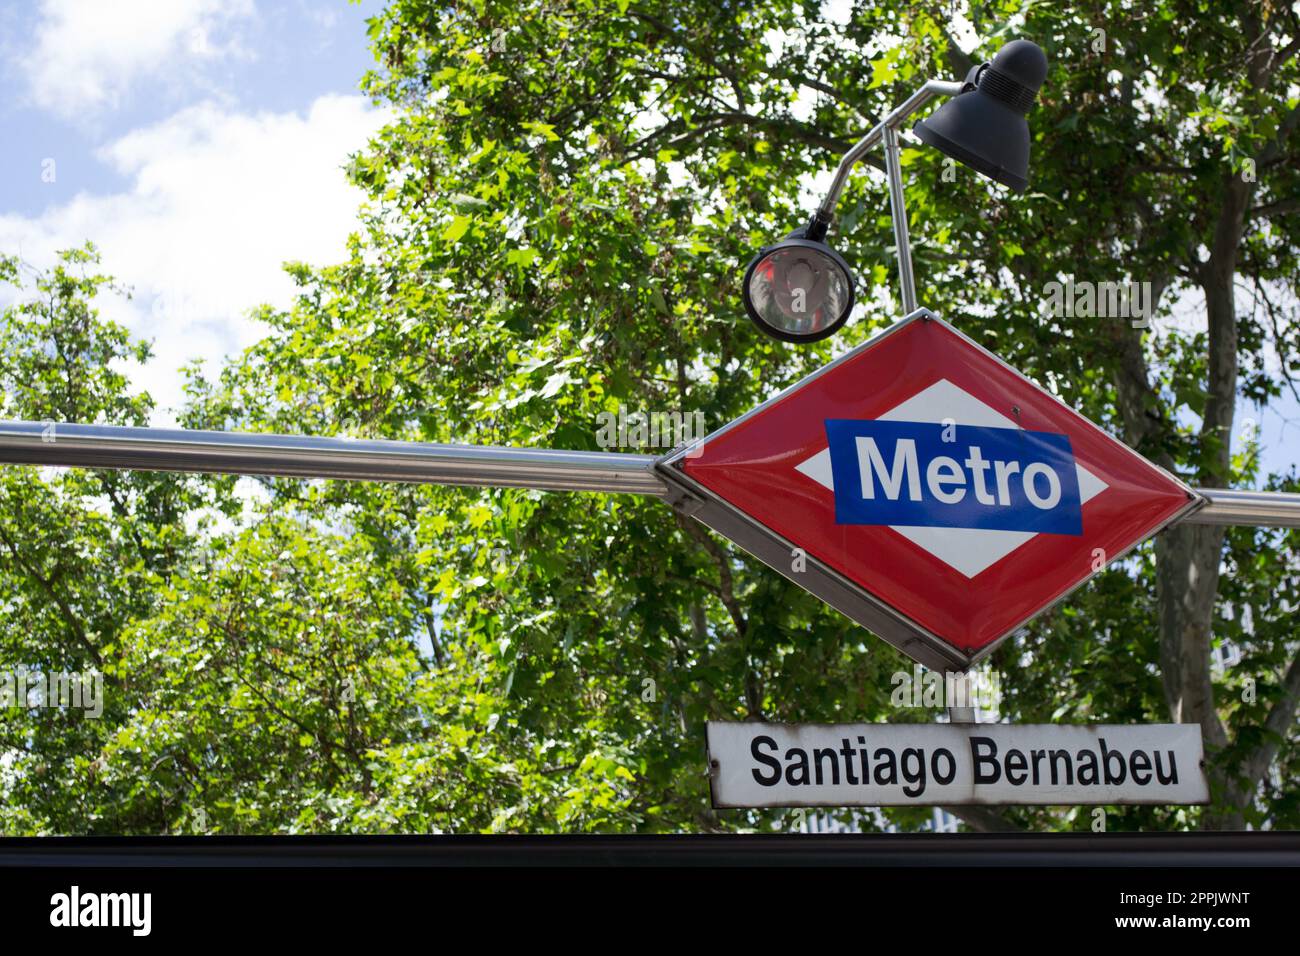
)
(846, 765)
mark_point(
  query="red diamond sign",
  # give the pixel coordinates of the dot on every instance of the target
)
(926, 489)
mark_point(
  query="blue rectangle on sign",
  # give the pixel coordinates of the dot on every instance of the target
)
(953, 476)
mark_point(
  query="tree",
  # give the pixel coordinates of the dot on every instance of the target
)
(78, 550)
(598, 173)
(259, 670)
(1168, 138)
(556, 224)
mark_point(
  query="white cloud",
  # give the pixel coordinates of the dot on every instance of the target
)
(218, 201)
(89, 53)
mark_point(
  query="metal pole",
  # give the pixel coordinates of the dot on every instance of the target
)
(236, 453)
(1263, 509)
(161, 449)
(898, 214)
(887, 131)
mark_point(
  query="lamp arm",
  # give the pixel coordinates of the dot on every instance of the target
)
(825, 213)
(886, 130)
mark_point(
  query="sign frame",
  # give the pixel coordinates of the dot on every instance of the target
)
(923, 742)
(694, 500)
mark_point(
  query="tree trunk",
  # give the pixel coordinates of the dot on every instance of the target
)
(1187, 584)
(1188, 557)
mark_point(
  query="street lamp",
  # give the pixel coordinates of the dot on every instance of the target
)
(801, 290)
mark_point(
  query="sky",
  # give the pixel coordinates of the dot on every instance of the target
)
(198, 143)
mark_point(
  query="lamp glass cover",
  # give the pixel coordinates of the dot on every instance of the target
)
(799, 291)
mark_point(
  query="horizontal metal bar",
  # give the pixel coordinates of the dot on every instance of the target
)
(162, 449)
(237, 453)
(1265, 509)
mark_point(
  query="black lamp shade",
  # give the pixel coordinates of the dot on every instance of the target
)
(984, 126)
(798, 290)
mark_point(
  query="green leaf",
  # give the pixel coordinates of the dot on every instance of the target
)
(456, 229)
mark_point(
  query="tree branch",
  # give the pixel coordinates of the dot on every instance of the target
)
(959, 61)
(47, 585)
(1280, 208)
(708, 122)
(1280, 718)
(727, 595)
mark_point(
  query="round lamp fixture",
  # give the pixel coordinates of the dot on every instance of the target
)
(798, 290)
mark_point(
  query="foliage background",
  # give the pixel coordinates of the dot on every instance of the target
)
(555, 227)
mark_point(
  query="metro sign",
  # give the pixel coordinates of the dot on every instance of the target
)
(927, 490)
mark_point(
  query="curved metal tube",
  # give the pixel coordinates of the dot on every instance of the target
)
(895, 119)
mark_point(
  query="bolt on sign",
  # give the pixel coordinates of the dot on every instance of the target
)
(927, 490)
(847, 765)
